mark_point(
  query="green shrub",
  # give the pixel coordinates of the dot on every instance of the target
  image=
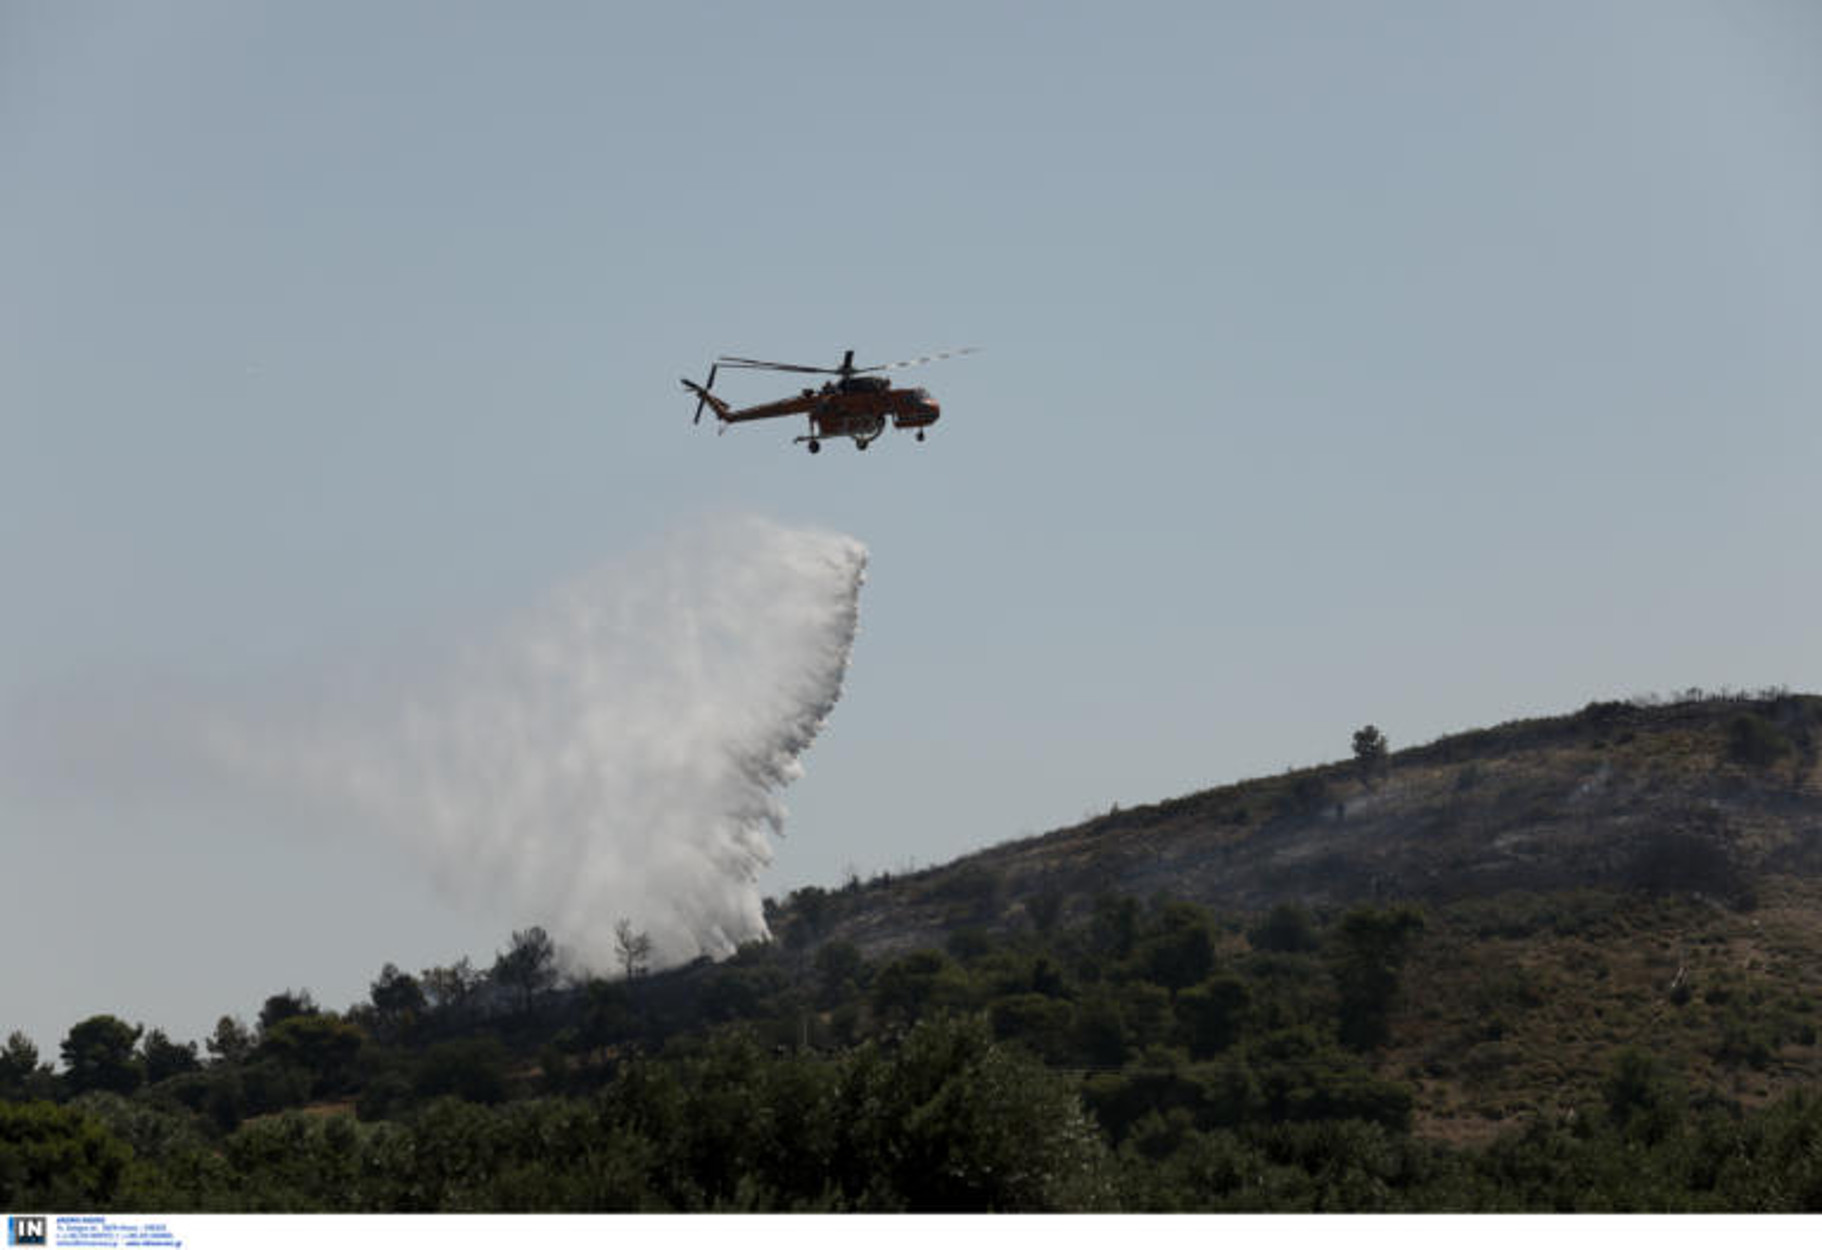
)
(58, 1159)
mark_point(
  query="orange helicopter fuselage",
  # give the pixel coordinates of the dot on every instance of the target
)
(837, 412)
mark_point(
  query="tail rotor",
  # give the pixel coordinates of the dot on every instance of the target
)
(702, 395)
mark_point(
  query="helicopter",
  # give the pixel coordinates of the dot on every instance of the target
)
(856, 405)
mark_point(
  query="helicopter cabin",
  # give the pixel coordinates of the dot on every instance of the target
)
(922, 411)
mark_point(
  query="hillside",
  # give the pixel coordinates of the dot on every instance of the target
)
(1645, 875)
(1705, 795)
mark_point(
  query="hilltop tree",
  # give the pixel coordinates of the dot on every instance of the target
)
(18, 1063)
(528, 965)
(284, 1006)
(98, 1054)
(398, 1000)
(231, 1042)
(1369, 754)
(449, 989)
(165, 1058)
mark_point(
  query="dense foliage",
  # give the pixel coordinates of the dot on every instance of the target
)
(1146, 1056)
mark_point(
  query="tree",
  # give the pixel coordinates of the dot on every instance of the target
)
(58, 1158)
(395, 992)
(1037, 1022)
(1371, 946)
(528, 965)
(398, 1000)
(811, 903)
(840, 969)
(915, 984)
(472, 1069)
(165, 1058)
(1099, 1033)
(1114, 926)
(951, 1121)
(98, 1054)
(1369, 754)
(231, 1042)
(1178, 948)
(1212, 1014)
(18, 1064)
(320, 1044)
(633, 948)
(283, 1006)
(450, 989)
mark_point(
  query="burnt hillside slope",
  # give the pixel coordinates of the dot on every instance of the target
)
(1704, 796)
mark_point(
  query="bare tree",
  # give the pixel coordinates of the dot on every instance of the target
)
(634, 948)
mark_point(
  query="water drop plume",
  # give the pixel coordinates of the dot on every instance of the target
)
(618, 752)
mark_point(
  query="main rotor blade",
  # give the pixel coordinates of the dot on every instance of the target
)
(921, 360)
(741, 362)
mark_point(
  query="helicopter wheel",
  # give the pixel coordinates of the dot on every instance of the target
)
(815, 447)
(860, 444)
(920, 436)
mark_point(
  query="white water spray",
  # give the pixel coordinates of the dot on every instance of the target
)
(617, 753)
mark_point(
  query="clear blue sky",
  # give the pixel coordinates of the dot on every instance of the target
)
(1425, 364)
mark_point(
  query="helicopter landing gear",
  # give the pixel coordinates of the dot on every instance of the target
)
(860, 444)
(920, 436)
(814, 446)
